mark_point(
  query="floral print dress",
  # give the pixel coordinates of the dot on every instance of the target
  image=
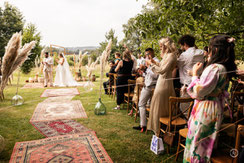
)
(209, 93)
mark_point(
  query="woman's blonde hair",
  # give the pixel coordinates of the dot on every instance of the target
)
(127, 55)
(169, 45)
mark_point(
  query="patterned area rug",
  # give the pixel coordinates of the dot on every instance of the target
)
(58, 110)
(33, 85)
(60, 92)
(59, 98)
(59, 127)
(84, 147)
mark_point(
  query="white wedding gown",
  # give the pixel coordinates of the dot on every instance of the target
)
(63, 76)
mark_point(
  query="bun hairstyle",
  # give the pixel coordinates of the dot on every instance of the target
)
(222, 49)
(169, 45)
(127, 55)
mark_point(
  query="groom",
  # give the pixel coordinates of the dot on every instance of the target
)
(47, 70)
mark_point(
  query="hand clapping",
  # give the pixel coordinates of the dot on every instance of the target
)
(196, 68)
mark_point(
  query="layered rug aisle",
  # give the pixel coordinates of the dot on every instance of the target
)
(84, 147)
(67, 140)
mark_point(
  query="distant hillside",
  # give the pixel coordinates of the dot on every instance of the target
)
(77, 49)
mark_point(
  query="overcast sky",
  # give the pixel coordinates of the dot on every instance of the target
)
(77, 22)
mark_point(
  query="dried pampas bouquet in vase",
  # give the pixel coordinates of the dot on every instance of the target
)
(13, 58)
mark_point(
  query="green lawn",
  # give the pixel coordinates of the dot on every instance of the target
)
(114, 130)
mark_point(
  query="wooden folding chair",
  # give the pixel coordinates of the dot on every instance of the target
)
(237, 98)
(114, 86)
(229, 155)
(129, 95)
(176, 117)
(135, 103)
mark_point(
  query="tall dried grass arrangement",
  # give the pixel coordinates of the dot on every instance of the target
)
(41, 58)
(13, 58)
(103, 59)
(90, 67)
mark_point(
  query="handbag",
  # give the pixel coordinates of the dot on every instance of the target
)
(169, 137)
(157, 145)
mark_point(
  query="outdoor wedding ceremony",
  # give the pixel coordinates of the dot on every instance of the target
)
(121, 81)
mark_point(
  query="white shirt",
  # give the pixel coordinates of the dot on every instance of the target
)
(48, 62)
(186, 62)
(151, 77)
(140, 62)
(134, 62)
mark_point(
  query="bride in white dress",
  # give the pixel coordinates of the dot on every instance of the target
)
(63, 76)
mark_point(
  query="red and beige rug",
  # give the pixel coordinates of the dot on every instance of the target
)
(60, 92)
(59, 127)
(33, 85)
(58, 110)
(84, 147)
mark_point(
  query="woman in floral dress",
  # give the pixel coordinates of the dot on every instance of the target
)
(209, 92)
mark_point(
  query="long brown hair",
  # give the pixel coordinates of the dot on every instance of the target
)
(222, 49)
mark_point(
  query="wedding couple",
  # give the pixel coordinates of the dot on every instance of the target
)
(63, 76)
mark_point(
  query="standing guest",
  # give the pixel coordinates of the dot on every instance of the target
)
(187, 59)
(209, 91)
(105, 84)
(140, 61)
(164, 88)
(117, 58)
(134, 59)
(47, 70)
(146, 93)
(124, 69)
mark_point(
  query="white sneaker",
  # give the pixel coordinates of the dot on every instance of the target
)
(116, 108)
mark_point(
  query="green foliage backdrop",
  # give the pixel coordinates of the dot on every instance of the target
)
(30, 33)
(11, 21)
(174, 18)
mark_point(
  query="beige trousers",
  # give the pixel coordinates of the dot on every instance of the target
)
(48, 78)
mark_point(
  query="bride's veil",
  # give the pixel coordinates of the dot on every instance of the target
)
(67, 71)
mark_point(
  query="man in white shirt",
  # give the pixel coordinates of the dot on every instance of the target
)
(140, 60)
(47, 70)
(146, 93)
(186, 61)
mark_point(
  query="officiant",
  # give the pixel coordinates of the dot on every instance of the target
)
(47, 70)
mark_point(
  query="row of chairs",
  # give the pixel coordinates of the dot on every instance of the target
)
(175, 123)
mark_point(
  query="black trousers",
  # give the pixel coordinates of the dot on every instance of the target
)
(121, 88)
(105, 85)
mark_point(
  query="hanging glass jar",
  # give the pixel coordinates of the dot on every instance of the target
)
(17, 100)
(100, 108)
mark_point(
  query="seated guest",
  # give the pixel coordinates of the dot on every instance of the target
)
(159, 106)
(140, 61)
(105, 84)
(209, 91)
(146, 93)
(185, 62)
(117, 58)
(124, 69)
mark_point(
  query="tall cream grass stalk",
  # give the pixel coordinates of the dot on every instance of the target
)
(13, 58)
(90, 67)
(41, 58)
(103, 59)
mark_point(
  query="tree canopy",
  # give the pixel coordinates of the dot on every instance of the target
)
(174, 18)
(11, 21)
(30, 33)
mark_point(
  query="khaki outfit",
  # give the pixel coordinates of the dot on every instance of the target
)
(164, 89)
(47, 71)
